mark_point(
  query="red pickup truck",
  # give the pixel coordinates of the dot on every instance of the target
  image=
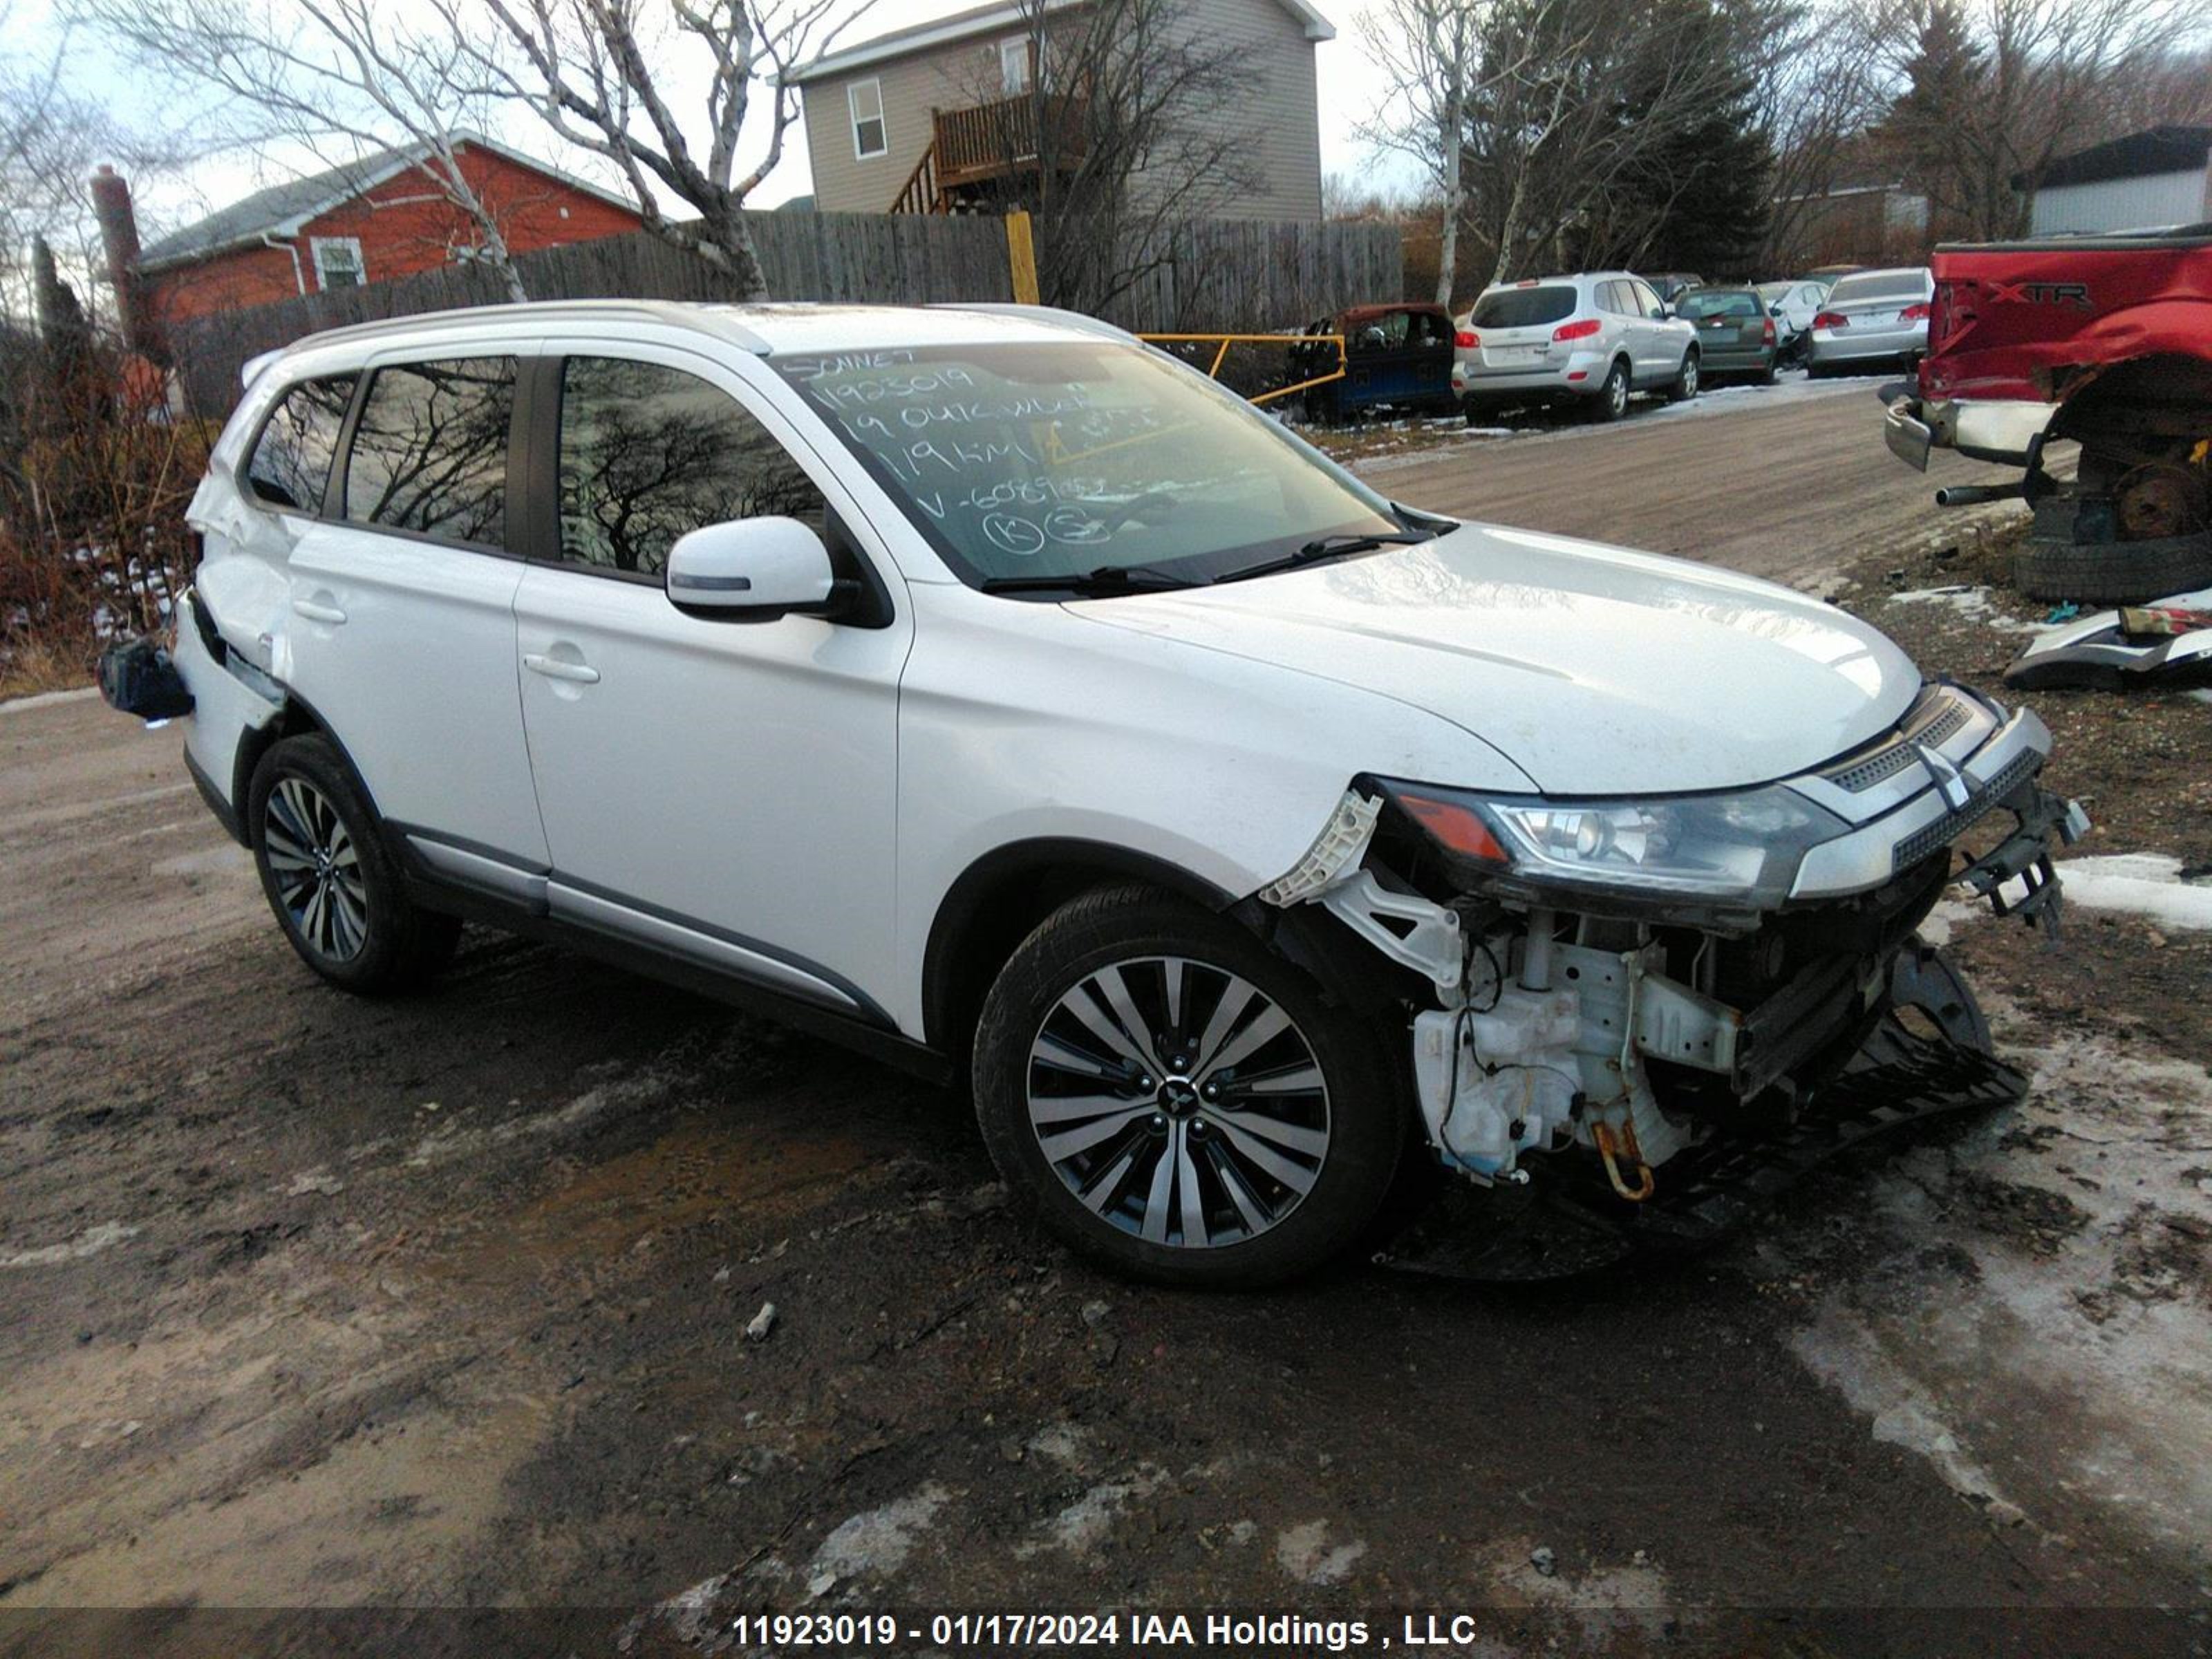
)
(2104, 340)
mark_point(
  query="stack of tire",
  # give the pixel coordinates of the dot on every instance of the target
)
(2073, 551)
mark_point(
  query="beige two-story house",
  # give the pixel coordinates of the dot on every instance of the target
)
(932, 119)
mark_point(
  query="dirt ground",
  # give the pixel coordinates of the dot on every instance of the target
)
(310, 1304)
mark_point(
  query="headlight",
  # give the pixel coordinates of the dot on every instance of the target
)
(1743, 849)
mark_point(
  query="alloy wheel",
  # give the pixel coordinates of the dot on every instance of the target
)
(1178, 1102)
(1616, 392)
(317, 869)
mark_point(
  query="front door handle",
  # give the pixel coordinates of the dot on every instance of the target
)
(557, 668)
(318, 610)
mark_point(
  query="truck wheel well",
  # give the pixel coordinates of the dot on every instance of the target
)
(998, 901)
(2166, 396)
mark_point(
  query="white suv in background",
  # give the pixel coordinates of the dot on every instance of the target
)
(995, 693)
(1593, 338)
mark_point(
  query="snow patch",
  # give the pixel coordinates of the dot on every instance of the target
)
(875, 1543)
(46, 700)
(1972, 603)
(1305, 1553)
(1083, 1525)
(2148, 885)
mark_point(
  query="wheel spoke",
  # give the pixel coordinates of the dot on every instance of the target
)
(1094, 1019)
(1065, 1108)
(1109, 980)
(1298, 1080)
(1257, 1218)
(1051, 1051)
(1194, 1233)
(1102, 1192)
(1296, 1177)
(1172, 971)
(1312, 1142)
(1066, 1144)
(1156, 1202)
(1262, 1028)
(1236, 997)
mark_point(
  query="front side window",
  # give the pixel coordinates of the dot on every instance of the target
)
(338, 261)
(290, 466)
(429, 450)
(649, 453)
(1646, 300)
(865, 100)
(1048, 459)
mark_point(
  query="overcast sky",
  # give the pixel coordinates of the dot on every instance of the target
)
(1350, 90)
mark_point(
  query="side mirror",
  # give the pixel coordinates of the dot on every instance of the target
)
(751, 570)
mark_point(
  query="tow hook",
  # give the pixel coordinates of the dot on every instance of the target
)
(1626, 1149)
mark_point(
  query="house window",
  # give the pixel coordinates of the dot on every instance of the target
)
(865, 99)
(1014, 66)
(338, 261)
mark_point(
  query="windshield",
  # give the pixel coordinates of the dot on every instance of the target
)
(1880, 285)
(1523, 307)
(1711, 302)
(1020, 462)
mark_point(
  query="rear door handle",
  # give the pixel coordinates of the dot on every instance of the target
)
(316, 610)
(554, 668)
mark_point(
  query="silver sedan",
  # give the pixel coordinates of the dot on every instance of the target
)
(1872, 317)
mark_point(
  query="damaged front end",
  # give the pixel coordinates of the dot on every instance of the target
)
(1637, 981)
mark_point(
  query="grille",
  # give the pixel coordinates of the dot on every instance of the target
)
(1861, 775)
(1946, 829)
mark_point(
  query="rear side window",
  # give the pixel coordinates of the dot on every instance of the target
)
(291, 464)
(1524, 307)
(649, 453)
(1704, 303)
(1880, 285)
(429, 450)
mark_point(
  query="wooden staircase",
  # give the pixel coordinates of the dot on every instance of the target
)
(972, 149)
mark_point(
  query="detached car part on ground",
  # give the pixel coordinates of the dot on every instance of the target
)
(2104, 340)
(1234, 833)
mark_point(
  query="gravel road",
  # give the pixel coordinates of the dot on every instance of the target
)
(310, 1304)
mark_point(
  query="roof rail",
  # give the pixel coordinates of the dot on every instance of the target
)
(549, 311)
(1074, 320)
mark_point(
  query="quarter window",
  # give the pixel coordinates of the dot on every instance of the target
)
(290, 466)
(429, 450)
(865, 100)
(649, 453)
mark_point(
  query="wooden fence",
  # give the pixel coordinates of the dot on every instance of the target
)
(1211, 275)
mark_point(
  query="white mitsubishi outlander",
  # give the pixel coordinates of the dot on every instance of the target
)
(988, 689)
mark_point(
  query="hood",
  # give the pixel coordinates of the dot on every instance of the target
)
(1596, 670)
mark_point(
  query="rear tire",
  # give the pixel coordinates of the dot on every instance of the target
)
(1103, 1100)
(325, 871)
(1611, 400)
(1684, 386)
(2113, 573)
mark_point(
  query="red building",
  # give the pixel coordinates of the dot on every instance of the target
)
(379, 218)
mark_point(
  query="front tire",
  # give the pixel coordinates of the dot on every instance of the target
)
(1613, 396)
(1176, 1101)
(336, 891)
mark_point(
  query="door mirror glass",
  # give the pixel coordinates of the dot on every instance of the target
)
(751, 570)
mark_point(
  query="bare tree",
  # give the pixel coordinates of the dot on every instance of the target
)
(1993, 91)
(597, 72)
(51, 138)
(1432, 52)
(1130, 121)
(1821, 84)
(338, 78)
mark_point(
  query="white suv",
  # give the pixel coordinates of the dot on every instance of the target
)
(990, 690)
(1590, 339)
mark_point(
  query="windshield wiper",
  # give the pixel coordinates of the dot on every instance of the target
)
(1328, 547)
(1106, 579)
